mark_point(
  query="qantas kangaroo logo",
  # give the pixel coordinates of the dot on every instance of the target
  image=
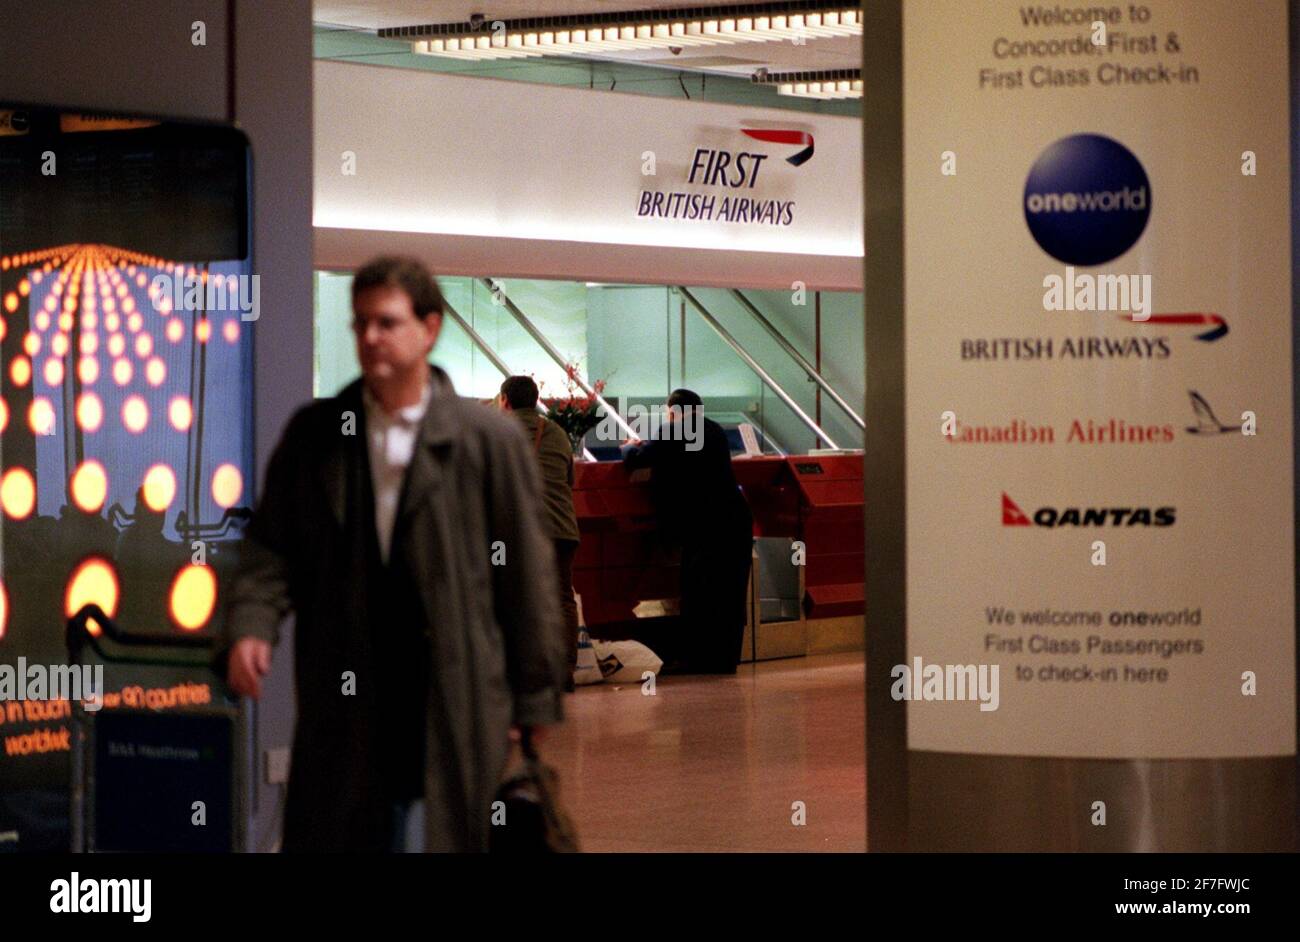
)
(1012, 516)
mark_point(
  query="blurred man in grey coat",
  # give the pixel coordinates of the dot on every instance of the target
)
(403, 527)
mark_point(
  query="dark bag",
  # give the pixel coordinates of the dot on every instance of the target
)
(534, 821)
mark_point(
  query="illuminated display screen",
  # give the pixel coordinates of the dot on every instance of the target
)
(127, 304)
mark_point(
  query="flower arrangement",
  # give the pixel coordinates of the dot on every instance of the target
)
(575, 411)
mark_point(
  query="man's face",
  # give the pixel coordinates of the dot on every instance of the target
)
(391, 340)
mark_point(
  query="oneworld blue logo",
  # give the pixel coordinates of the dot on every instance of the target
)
(1087, 199)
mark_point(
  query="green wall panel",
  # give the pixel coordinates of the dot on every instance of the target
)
(631, 336)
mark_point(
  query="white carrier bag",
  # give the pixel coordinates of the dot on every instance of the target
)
(587, 670)
(625, 661)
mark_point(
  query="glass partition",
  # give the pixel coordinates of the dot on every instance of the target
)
(643, 341)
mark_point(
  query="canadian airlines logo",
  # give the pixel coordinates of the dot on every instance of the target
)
(1013, 516)
(1207, 423)
(785, 137)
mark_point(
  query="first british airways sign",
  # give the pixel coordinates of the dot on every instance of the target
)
(729, 177)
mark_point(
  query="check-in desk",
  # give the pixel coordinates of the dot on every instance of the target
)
(806, 586)
(809, 552)
(621, 561)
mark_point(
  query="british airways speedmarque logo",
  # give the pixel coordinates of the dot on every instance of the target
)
(802, 138)
(1218, 326)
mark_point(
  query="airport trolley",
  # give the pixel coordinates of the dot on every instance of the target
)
(145, 779)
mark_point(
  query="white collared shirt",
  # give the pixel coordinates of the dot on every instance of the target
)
(391, 444)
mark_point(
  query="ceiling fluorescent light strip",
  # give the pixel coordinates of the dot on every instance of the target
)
(602, 35)
(471, 48)
(829, 84)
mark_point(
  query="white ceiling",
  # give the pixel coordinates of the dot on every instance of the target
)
(737, 60)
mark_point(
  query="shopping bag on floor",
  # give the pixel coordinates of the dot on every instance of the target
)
(625, 661)
(588, 670)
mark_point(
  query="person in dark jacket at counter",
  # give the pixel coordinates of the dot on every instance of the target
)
(700, 507)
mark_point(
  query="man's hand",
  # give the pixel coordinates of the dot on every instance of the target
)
(250, 661)
(538, 734)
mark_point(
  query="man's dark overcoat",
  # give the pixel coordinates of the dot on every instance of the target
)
(472, 494)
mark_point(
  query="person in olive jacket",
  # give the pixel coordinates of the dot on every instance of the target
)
(555, 458)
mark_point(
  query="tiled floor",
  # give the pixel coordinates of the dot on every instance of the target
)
(717, 763)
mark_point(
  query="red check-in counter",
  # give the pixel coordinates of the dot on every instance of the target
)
(832, 529)
(815, 499)
(621, 559)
